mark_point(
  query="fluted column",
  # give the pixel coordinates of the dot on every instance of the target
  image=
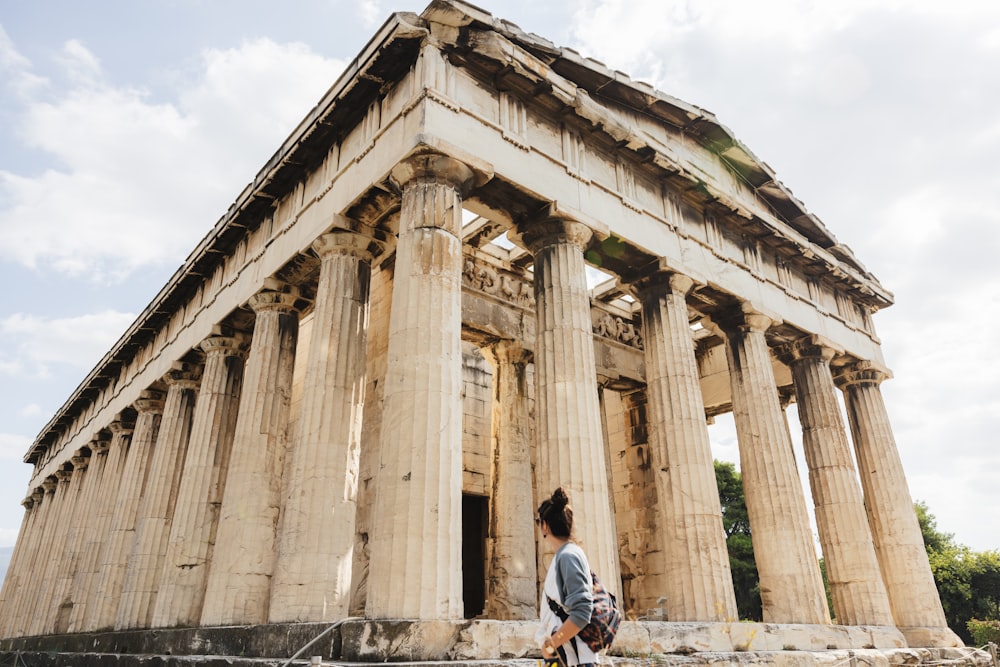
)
(97, 537)
(239, 579)
(913, 597)
(71, 479)
(195, 519)
(511, 581)
(102, 605)
(791, 588)
(571, 446)
(61, 604)
(156, 511)
(312, 577)
(20, 563)
(698, 579)
(416, 545)
(24, 603)
(859, 596)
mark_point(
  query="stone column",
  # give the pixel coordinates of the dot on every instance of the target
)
(512, 590)
(22, 607)
(152, 525)
(698, 578)
(571, 445)
(859, 596)
(83, 525)
(13, 584)
(416, 545)
(239, 579)
(791, 588)
(103, 603)
(97, 538)
(71, 479)
(312, 577)
(192, 530)
(913, 596)
(640, 551)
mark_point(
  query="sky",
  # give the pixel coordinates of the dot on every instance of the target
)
(127, 129)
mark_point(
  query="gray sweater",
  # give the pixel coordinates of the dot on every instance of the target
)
(575, 585)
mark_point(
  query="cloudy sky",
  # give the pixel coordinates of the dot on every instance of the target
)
(127, 129)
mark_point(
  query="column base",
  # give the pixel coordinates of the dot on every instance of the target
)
(919, 637)
(510, 642)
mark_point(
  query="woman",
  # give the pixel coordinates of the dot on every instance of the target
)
(568, 584)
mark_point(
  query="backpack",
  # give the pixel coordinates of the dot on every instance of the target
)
(600, 631)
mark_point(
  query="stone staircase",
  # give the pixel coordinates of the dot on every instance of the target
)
(477, 643)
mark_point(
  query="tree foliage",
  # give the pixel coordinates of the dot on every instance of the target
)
(736, 524)
(968, 581)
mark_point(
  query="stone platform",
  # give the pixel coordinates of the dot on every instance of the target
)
(480, 643)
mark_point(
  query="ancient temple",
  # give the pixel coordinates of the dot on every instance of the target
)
(359, 385)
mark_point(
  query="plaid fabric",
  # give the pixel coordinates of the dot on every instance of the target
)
(600, 631)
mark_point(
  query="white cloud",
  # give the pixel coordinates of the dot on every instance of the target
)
(32, 410)
(105, 207)
(31, 344)
(13, 447)
(370, 12)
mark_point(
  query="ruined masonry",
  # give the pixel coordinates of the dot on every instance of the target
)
(355, 391)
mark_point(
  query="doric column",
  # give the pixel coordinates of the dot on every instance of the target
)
(23, 601)
(152, 525)
(512, 591)
(239, 579)
(312, 576)
(97, 538)
(13, 584)
(698, 579)
(791, 588)
(913, 597)
(641, 555)
(859, 596)
(53, 551)
(195, 518)
(416, 546)
(571, 449)
(102, 606)
(92, 467)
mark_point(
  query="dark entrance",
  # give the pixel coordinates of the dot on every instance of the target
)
(475, 523)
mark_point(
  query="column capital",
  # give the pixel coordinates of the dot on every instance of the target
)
(119, 427)
(149, 400)
(861, 373)
(183, 374)
(813, 346)
(228, 346)
(100, 445)
(550, 230)
(743, 319)
(80, 461)
(362, 244)
(275, 296)
(434, 168)
(63, 475)
(49, 484)
(506, 351)
(663, 282)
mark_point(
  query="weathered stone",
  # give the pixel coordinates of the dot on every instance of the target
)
(412, 466)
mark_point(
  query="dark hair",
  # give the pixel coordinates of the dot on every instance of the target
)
(558, 514)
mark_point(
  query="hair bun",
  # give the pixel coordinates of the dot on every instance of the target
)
(559, 498)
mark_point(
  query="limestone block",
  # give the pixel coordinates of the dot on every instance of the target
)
(689, 637)
(371, 641)
(632, 638)
(500, 639)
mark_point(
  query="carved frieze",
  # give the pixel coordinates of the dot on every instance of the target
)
(508, 286)
(617, 329)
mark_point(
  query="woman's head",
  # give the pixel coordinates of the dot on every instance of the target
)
(557, 514)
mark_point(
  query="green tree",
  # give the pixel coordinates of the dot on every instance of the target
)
(968, 581)
(736, 524)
